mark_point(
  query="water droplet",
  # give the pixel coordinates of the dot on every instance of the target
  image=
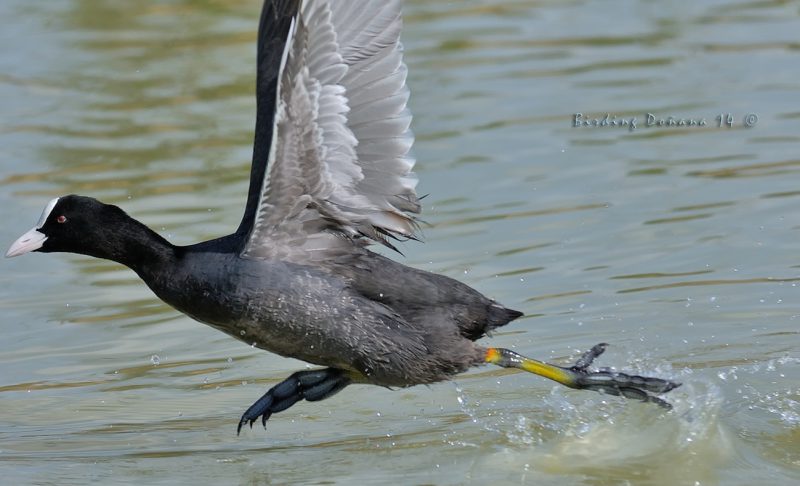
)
(242, 332)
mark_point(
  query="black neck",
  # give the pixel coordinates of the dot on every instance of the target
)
(136, 246)
(149, 255)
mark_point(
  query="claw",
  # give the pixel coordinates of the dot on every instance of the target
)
(242, 421)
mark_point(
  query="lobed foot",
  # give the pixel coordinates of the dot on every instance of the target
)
(312, 385)
(615, 383)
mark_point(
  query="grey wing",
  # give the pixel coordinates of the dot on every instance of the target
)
(339, 163)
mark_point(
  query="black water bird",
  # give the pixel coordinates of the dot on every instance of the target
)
(331, 173)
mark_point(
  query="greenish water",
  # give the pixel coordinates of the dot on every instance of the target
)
(677, 245)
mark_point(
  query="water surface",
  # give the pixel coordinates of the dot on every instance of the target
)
(677, 245)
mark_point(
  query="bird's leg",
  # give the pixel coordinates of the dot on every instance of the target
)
(578, 376)
(313, 385)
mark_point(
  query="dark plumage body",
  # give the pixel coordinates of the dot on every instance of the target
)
(362, 312)
(331, 172)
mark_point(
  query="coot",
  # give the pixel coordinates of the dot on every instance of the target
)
(331, 173)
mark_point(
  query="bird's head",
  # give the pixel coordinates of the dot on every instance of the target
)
(74, 224)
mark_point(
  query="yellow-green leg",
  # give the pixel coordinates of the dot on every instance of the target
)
(578, 376)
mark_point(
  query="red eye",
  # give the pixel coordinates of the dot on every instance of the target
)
(61, 219)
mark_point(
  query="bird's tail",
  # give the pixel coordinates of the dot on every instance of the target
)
(499, 316)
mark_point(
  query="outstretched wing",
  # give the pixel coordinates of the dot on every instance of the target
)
(339, 164)
(273, 31)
